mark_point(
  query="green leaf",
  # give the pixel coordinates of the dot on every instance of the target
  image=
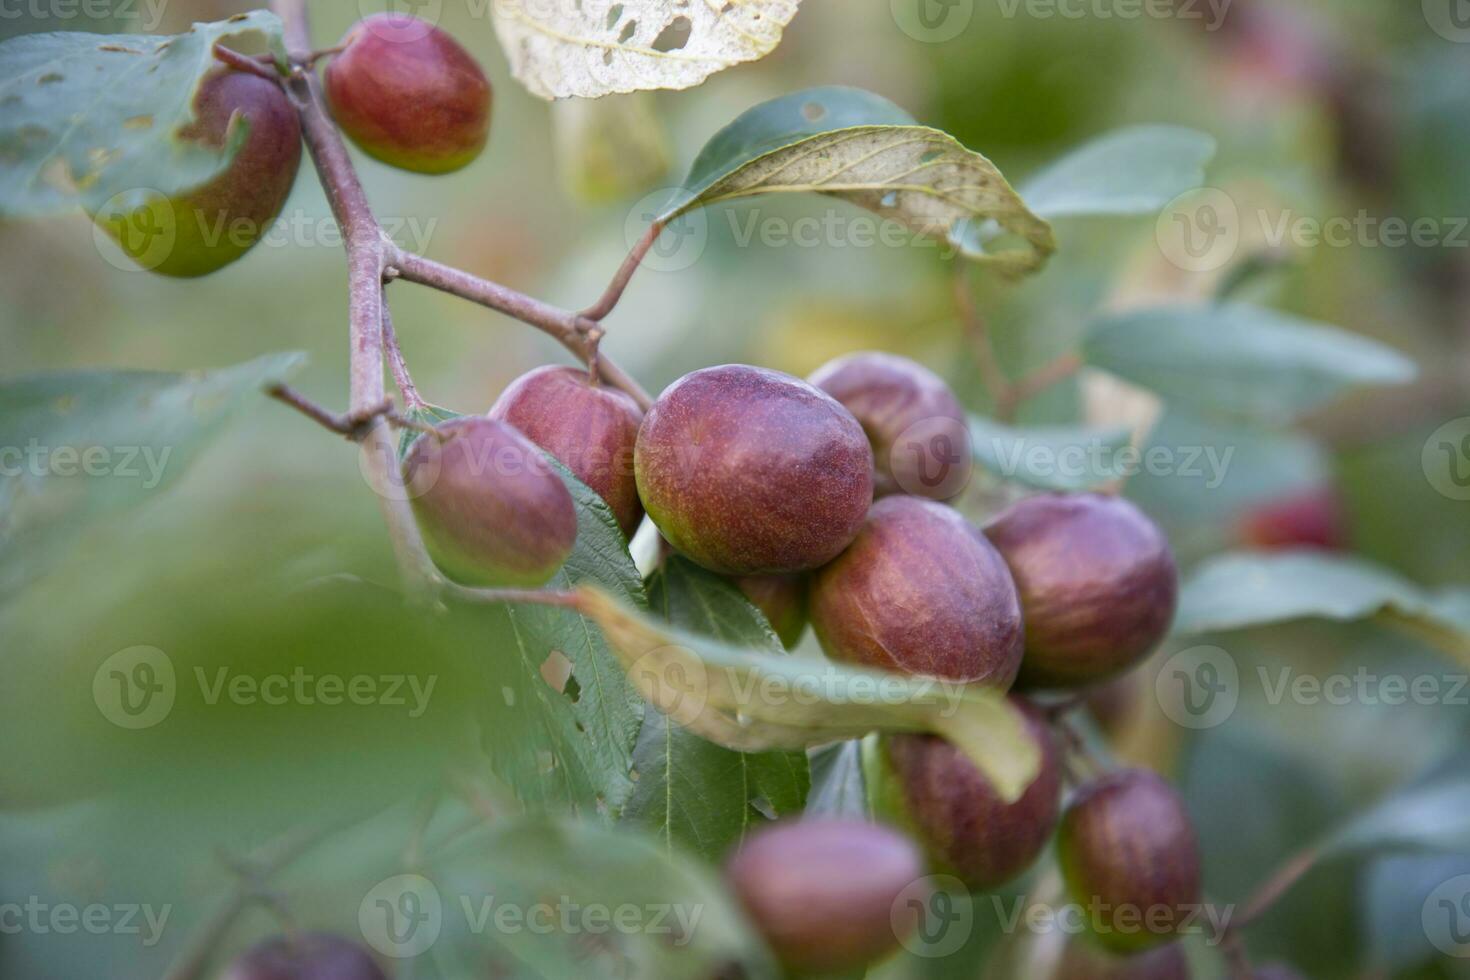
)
(576, 748)
(426, 415)
(690, 790)
(1136, 170)
(753, 701)
(87, 117)
(82, 445)
(857, 146)
(1430, 814)
(1246, 589)
(839, 787)
(1051, 458)
(568, 872)
(1238, 360)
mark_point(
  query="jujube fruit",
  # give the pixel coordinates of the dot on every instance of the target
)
(491, 509)
(912, 418)
(201, 230)
(589, 428)
(1312, 519)
(1097, 581)
(821, 892)
(920, 591)
(1084, 961)
(1127, 850)
(956, 813)
(782, 600)
(312, 956)
(753, 472)
(409, 95)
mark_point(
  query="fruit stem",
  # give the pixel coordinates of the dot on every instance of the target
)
(399, 365)
(354, 426)
(263, 66)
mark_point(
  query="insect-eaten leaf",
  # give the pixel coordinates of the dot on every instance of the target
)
(753, 702)
(601, 47)
(94, 120)
(857, 146)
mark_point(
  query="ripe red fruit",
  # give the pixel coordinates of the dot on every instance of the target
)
(590, 428)
(1084, 961)
(753, 472)
(782, 599)
(1097, 581)
(491, 509)
(920, 591)
(1312, 519)
(1128, 852)
(312, 956)
(207, 228)
(408, 94)
(957, 815)
(916, 425)
(822, 891)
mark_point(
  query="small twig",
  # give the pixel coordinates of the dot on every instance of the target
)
(1075, 747)
(978, 328)
(262, 65)
(624, 275)
(1269, 892)
(1237, 960)
(310, 60)
(353, 426)
(571, 330)
(1033, 384)
(396, 362)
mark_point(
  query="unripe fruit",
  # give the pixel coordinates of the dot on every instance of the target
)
(1097, 583)
(1084, 961)
(821, 892)
(1307, 520)
(207, 228)
(915, 423)
(1127, 849)
(782, 599)
(591, 429)
(409, 95)
(491, 509)
(959, 818)
(313, 956)
(753, 472)
(920, 591)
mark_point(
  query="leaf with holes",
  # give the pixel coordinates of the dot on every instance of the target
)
(857, 146)
(85, 118)
(563, 729)
(691, 791)
(752, 700)
(600, 47)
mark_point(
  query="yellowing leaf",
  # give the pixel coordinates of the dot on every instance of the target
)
(593, 48)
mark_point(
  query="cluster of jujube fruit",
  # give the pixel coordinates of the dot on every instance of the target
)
(813, 490)
(402, 89)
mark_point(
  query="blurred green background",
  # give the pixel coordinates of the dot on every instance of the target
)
(1321, 109)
